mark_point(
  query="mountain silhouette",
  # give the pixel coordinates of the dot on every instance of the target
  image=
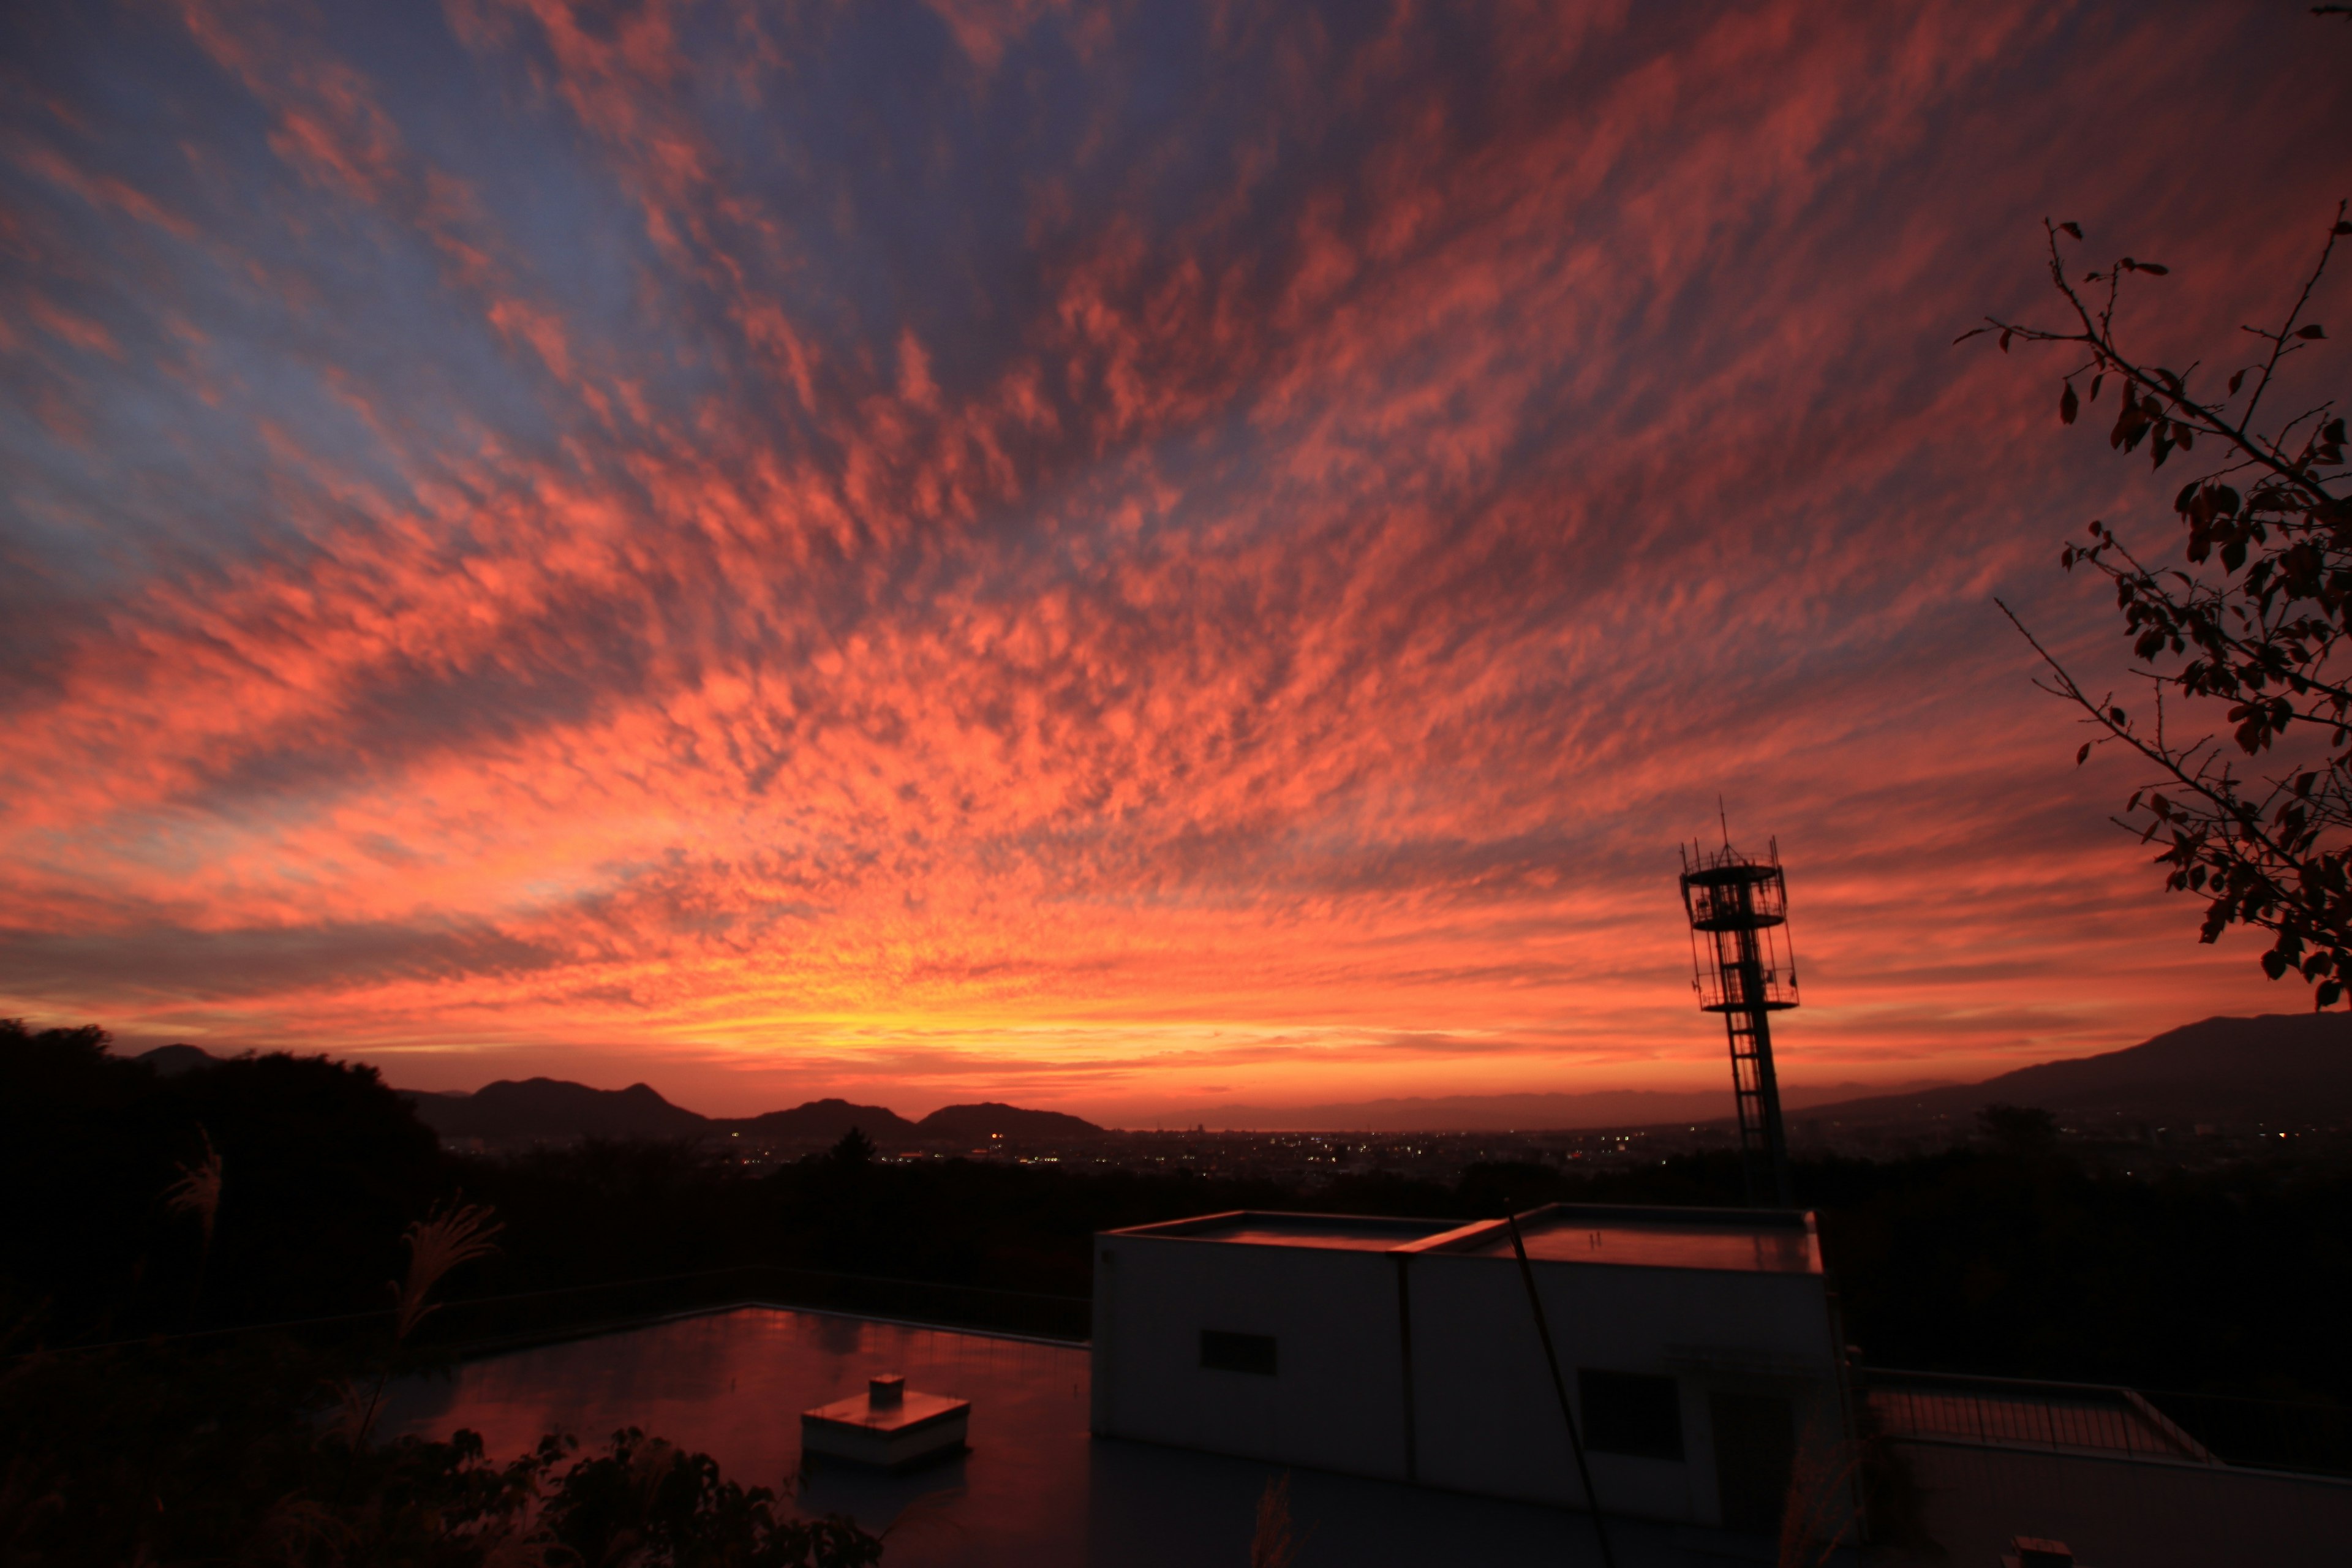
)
(822, 1121)
(554, 1108)
(977, 1123)
(171, 1061)
(2292, 1067)
(2274, 1067)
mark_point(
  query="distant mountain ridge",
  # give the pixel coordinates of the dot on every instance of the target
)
(978, 1123)
(824, 1119)
(171, 1061)
(553, 1108)
(2274, 1066)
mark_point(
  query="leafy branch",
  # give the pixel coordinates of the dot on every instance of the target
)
(2255, 625)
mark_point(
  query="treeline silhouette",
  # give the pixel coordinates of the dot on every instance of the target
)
(138, 1214)
(2006, 1257)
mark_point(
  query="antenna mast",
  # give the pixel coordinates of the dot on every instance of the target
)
(1745, 970)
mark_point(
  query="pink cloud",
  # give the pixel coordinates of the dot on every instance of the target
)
(1267, 633)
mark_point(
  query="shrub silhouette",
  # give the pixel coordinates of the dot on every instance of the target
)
(227, 1447)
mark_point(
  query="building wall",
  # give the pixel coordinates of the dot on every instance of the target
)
(1487, 1417)
(1336, 1401)
(1483, 1412)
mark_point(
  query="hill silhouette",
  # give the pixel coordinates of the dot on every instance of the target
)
(555, 1107)
(977, 1123)
(171, 1061)
(2273, 1066)
(822, 1121)
(543, 1107)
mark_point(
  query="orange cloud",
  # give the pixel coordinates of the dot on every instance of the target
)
(1224, 558)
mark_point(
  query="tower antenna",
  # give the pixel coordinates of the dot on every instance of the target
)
(1747, 972)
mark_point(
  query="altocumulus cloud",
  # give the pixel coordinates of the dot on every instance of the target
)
(1091, 550)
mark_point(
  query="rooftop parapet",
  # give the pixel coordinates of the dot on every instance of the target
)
(1755, 1241)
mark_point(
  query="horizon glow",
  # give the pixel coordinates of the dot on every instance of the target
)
(1117, 558)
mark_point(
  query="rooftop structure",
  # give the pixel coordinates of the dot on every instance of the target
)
(1699, 1345)
(888, 1426)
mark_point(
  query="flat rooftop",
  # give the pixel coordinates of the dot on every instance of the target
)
(1352, 1232)
(1752, 1241)
(1036, 1488)
(1765, 1243)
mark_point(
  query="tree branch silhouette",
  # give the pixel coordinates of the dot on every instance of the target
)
(2254, 627)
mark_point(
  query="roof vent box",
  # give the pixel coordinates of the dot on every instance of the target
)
(889, 1427)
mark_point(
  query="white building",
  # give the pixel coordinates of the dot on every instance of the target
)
(1699, 1347)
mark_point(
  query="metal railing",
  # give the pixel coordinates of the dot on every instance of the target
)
(2109, 1421)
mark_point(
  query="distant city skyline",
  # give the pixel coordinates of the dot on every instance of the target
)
(1099, 559)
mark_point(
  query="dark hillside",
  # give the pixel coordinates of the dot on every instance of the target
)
(978, 1123)
(552, 1108)
(170, 1062)
(821, 1122)
(2292, 1067)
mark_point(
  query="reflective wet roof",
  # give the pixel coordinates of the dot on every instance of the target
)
(1746, 1248)
(1036, 1489)
(1763, 1241)
(1352, 1232)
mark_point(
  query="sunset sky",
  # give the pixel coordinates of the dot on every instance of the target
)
(1113, 557)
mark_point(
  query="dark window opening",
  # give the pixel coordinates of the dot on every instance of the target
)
(1626, 1413)
(1221, 1352)
(1755, 1454)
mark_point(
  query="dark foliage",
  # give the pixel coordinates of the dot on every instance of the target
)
(322, 1167)
(275, 1188)
(232, 1453)
(647, 1502)
(2228, 1281)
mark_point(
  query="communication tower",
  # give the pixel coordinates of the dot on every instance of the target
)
(1744, 967)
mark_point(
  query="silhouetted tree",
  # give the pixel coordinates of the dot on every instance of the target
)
(854, 1149)
(324, 1165)
(86, 1153)
(2248, 633)
(259, 1447)
(298, 1172)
